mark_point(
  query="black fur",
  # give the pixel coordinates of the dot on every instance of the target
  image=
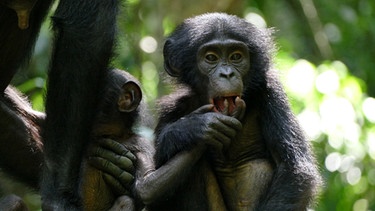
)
(84, 39)
(295, 176)
(16, 45)
(84, 33)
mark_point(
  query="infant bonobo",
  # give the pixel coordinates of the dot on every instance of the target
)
(121, 110)
(20, 137)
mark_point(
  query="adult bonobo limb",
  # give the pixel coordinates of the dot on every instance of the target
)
(84, 38)
(21, 146)
(20, 142)
(234, 103)
(22, 149)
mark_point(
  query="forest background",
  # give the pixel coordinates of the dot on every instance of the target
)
(325, 57)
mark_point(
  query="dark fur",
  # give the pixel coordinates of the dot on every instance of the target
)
(84, 33)
(295, 176)
(13, 203)
(84, 38)
(112, 123)
(21, 144)
(16, 45)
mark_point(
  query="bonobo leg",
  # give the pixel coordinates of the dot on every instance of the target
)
(84, 34)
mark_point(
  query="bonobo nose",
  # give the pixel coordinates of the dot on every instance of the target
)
(226, 72)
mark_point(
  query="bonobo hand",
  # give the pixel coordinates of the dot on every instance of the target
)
(215, 129)
(116, 162)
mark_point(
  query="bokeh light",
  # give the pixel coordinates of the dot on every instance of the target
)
(148, 44)
(256, 19)
(300, 78)
(368, 108)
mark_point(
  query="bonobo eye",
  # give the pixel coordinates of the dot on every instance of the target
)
(235, 57)
(211, 57)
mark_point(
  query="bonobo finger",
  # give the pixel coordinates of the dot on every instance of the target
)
(217, 144)
(118, 160)
(109, 168)
(125, 178)
(240, 108)
(223, 139)
(216, 139)
(115, 185)
(231, 122)
(116, 148)
(204, 109)
(224, 129)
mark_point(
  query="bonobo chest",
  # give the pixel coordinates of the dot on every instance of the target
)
(248, 145)
(245, 168)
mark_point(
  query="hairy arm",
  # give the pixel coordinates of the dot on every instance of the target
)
(84, 38)
(20, 126)
(155, 184)
(296, 177)
(115, 160)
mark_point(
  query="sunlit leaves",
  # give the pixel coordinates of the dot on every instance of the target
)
(334, 109)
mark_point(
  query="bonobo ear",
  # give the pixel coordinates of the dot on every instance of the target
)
(130, 97)
(171, 70)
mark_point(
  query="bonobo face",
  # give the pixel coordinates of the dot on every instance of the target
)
(225, 63)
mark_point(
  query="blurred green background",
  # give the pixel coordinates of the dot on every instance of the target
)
(325, 58)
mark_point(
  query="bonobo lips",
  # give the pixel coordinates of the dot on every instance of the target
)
(225, 104)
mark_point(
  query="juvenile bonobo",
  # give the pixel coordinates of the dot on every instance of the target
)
(119, 112)
(232, 101)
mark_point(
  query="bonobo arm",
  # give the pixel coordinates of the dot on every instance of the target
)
(20, 142)
(151, 184)
(296, 176)
(155, 184)
(201, 126)
(84, 30)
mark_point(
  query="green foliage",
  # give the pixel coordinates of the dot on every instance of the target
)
(331, 86)
(338, 117)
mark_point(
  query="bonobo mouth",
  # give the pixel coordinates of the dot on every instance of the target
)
(225, 104)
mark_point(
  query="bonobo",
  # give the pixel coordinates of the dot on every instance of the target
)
(231, 101)
(20, 138)
(119, 111)
(109, 171)
(79, 63)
